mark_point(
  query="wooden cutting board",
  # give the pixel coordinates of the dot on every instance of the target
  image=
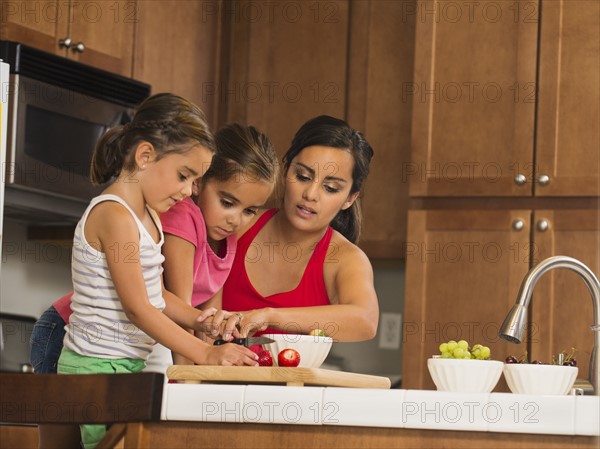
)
(274, 375)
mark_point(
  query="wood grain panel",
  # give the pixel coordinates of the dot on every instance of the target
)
(177, 50)
(568, 130)
(39, 23)
(294, 66)
(387, 117)
(106, 28)
(463, 271)
(196, 435)
(473, 98)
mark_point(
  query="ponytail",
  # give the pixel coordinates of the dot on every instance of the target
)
(108, 158)
(348, 222)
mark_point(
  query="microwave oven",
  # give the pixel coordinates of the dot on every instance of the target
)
(57, 110)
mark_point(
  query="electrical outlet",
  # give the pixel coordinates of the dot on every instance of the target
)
(390, 327)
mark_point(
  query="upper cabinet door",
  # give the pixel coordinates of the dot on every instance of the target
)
(102, 34)
(38, 23)
(568, 158)
(99, 33)
(473, 98)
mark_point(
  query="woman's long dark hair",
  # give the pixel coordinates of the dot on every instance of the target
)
(335, 133)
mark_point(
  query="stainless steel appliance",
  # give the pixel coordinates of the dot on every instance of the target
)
(58, 108)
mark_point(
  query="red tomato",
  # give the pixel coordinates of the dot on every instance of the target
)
(288, 357)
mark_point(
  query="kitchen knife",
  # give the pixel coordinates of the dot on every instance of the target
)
(247, 342)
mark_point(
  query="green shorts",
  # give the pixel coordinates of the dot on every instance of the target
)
(72, 363)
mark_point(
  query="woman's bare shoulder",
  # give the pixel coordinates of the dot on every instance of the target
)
(344, 250)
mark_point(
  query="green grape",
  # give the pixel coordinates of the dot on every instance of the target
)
(485, 352)
(452, 345)
(462, 344)
(443, 347)
(467, 355)
(446, 355)
(458, 353)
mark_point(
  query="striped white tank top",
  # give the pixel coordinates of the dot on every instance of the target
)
(98, 326)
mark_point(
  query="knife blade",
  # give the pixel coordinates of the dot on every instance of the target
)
(247, 342)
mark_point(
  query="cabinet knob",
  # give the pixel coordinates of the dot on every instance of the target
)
(518, 224)
(543, 180)
(542, 225)
(65, 43)
(520, 179)
(79, 47)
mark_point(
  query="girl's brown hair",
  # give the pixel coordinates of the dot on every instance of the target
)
(243, 152)
(172, 124)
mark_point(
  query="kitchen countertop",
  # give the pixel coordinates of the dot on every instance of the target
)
(408, 409)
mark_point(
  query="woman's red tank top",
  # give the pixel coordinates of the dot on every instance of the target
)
(239, 294)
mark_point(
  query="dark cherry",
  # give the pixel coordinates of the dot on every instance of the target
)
(537, 362)
(511, 359)
(571, 362)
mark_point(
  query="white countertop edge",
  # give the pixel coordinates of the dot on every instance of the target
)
(411, 409)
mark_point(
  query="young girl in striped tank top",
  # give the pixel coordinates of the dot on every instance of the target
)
(120, 306)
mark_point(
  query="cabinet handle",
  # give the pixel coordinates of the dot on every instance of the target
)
(543, 180)
(520, 179)
(518, 224)
(79, 47)
(65, 43)
(542, 225)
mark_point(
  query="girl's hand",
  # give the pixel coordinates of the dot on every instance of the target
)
(230, 355)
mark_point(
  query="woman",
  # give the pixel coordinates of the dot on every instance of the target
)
(297, 268)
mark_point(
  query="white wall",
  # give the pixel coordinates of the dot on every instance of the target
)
(370, 357)
(34, 273)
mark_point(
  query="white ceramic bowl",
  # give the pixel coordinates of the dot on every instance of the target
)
(312, 349)
(465, 376)
(526, 378)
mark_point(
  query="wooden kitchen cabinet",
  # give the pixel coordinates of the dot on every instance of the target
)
(568, 131)
(297, 60)
(474, 99)
(463, 272)
(101, 32)
(466, 266)
(561, 307)
(177, 49)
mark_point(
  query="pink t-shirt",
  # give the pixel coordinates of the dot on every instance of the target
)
(63, 306)
(185, 220)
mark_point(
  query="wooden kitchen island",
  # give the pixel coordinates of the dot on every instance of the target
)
(197, 435)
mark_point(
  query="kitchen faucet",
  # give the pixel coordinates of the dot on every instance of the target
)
(514, 324)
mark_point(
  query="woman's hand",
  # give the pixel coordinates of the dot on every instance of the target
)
(211, 322)
(242, 324)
